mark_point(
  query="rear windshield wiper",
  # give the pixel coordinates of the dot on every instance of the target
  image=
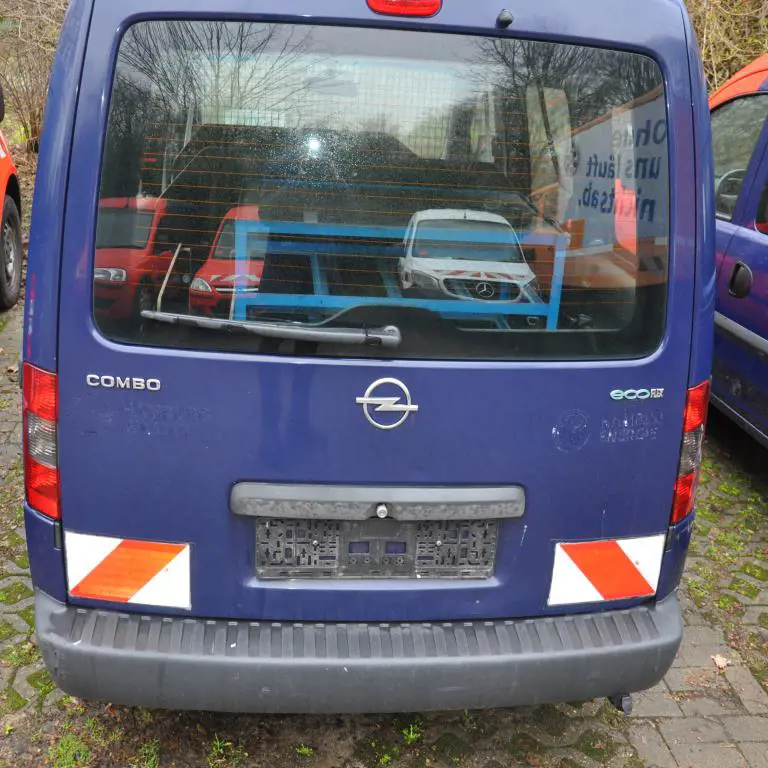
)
(386, 336)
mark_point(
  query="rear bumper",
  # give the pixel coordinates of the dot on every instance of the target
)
(177, 663)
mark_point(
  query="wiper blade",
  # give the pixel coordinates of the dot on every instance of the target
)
(386, 336)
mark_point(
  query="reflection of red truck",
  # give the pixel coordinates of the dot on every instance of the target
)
(223, 274)
(10, 229)
(133, 254)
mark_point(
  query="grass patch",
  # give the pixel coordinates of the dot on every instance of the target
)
(11, 701)
(225, 754)
(700, 591)
(100, 735)
(6, 631)
(762, 620)
(15, 593)
(730, 605)
(730, 541)
(730, 489)
(611, 717)
(595, 745)
(304, 751)
(704, 513)
(12, 540)
(755, 571)
(721, 556)
(21, 655)
(70, 752)
(373, 751)
(411, 733)
(42, 681)
(148, 756)
(28, 614)
(744, 587)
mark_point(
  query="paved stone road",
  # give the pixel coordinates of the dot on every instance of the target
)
(699, 717)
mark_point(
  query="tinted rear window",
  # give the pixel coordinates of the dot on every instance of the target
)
(492, 199)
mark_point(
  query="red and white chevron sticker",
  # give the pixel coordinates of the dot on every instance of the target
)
(128, 571)
(611, 569)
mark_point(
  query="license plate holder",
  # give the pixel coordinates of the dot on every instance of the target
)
(375, 549)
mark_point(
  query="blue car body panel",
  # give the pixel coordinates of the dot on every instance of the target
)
(162, 468)
(740, 372)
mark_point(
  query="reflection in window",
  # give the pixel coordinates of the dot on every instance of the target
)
(736, 127)
(445, 184)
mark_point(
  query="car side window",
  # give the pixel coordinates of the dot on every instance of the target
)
(736, 128)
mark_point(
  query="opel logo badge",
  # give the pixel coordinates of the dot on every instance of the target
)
(485, 290)
(384, 398)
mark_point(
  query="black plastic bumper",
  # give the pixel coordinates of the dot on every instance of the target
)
(240, 666)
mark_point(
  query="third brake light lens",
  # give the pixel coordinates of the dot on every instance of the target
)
(406, 7)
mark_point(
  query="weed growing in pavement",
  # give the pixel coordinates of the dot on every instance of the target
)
(148, 756)
(70, 752)
(412, 733)
(225, 754)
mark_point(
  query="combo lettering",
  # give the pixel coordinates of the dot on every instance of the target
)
(122, 382)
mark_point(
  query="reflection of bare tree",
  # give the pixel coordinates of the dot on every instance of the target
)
(191, 112)
(524, 73)
(594, 80)
(189, 62)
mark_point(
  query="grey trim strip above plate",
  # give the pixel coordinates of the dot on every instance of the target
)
(751, 338)
(351, 502)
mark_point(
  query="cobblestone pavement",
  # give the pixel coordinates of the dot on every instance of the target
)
(701, 716)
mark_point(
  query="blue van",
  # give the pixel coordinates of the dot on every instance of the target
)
(433, 443)
(740, 137)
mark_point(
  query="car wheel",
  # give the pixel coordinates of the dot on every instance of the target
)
(10, 255)
(144, 301)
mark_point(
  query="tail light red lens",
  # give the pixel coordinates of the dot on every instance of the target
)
(41, 461)
(685, 495)
(694, 423)
(696, 405)
(406, 7)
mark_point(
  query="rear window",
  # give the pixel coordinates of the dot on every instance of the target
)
(486, 198)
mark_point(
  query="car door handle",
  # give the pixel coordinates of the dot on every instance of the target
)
(741, 281)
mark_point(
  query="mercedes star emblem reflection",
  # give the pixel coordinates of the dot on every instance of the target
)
(485, 290)
(385, 403)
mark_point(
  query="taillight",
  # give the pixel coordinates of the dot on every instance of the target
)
(41, 461)
(406, 7)
(694, 422)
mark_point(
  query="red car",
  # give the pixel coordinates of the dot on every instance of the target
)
(10, 230)
(223, 275)
(133, 254)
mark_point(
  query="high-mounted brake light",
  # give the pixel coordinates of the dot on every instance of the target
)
(41, 464)
(406, 7)
(694, 422)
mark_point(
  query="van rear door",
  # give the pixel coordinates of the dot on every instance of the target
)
(344, 444)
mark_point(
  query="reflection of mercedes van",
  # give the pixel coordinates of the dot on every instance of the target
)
(226, 272)
(464, 254)
(350, 497)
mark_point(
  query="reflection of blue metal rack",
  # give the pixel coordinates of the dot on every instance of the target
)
(321, 299)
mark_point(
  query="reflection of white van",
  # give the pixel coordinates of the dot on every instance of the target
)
(466, 254)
